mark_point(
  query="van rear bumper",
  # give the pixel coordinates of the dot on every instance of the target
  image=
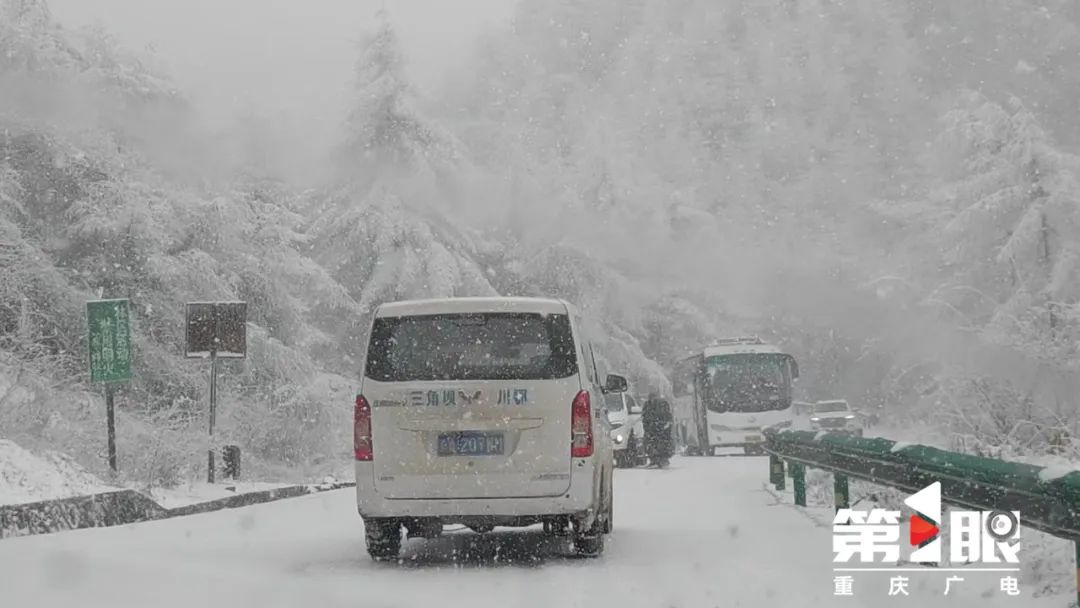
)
(577, 500)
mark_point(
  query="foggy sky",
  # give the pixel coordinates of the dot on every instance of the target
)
(285, 56)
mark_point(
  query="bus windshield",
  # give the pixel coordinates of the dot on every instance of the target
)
(747, 383)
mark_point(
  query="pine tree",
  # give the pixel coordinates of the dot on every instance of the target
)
(384, 130)
(1011, 259)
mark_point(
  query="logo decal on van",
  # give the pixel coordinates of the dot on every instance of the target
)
(437, 398)
(469, 399)
(507, 396)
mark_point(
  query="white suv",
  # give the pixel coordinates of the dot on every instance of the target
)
(835, 415)
(628, 433)
(482, 412)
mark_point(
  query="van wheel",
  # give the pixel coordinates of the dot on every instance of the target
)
(590, 543)
(383, 538)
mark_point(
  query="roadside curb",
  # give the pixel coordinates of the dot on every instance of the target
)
(253, 498)
(122, 507)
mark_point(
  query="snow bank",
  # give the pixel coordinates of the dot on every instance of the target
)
(26, 477)
(171, 498)
(1056, 471)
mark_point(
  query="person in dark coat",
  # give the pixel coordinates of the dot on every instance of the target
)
(658, 423)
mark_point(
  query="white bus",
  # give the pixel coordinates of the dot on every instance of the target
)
(728, 392)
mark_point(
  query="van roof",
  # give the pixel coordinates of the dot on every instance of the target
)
(437, 306)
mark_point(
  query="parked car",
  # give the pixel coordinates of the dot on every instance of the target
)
(627, 432)
(835, 415)
(482, 412)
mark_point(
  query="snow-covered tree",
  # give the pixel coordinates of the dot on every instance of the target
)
(1012, 224)
(385, 130)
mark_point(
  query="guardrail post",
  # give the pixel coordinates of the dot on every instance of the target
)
(1076, 544)
(798, 480)
(840, 491)
(776, 471)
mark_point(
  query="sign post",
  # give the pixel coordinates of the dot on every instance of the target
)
(109, 344)
(215, 330)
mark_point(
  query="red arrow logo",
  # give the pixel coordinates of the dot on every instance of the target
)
(922, 530)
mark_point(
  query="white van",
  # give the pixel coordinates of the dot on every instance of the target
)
(482, 412)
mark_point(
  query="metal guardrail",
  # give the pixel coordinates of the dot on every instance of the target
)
(1051, 505)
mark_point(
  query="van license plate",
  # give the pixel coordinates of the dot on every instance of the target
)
(470, 443)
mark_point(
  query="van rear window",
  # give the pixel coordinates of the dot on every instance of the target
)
(477, 346)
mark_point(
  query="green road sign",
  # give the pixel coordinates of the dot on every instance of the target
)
(109, 340)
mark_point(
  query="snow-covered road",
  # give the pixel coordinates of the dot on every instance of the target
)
(703, 533)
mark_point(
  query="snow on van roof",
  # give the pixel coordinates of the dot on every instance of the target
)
(473, 304)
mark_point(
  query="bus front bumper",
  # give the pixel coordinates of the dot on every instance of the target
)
(729, 438)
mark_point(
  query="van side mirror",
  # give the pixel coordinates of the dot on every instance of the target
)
(615, 384)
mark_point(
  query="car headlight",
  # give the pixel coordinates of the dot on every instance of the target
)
(815, 419)
(619, 438)
(849, 417)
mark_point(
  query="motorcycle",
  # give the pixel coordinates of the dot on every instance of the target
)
(660, 447)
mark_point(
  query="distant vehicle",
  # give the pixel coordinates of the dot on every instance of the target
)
(482, 412)
(836, 415)
(627, 432)
(727, 393)
(801, 412)
(802, 408)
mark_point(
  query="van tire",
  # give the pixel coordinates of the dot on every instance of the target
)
(383, 537)
(590, 543)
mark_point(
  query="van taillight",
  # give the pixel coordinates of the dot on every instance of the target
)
(362, 429)
(581, 431)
